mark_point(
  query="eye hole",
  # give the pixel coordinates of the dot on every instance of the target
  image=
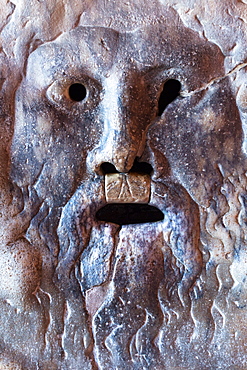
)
(77, 92)
(169, 93)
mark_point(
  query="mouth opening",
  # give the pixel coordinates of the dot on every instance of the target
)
(129, 213)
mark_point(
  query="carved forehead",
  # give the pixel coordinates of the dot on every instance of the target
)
(87, 47)
(153, 46)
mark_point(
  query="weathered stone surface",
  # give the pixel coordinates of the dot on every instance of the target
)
(123, 185)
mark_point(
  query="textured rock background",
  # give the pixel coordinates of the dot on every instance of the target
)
(80, 293)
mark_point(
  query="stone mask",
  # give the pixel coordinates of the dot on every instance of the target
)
(123, 146)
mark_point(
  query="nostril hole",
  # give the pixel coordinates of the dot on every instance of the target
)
(107, 167)
(142, 167)
(169, 93)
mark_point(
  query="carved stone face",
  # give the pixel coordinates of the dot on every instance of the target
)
(117, 112)
(109, 124)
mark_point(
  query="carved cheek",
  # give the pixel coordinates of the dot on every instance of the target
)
(50, 143)
(196, 134)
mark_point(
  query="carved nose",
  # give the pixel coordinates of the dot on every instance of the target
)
(119, 160)
(124, 119)
(119, 146)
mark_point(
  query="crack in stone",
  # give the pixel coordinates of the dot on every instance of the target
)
(185, 94)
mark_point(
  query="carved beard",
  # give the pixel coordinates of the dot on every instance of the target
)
(137, 299)
(129, 269)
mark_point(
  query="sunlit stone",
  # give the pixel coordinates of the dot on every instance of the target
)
(127, 188)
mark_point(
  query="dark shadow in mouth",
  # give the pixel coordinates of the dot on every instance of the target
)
(129, 213)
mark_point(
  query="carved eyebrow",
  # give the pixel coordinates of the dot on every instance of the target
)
(62, 62)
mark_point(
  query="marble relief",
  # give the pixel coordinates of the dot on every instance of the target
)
(123, 185)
